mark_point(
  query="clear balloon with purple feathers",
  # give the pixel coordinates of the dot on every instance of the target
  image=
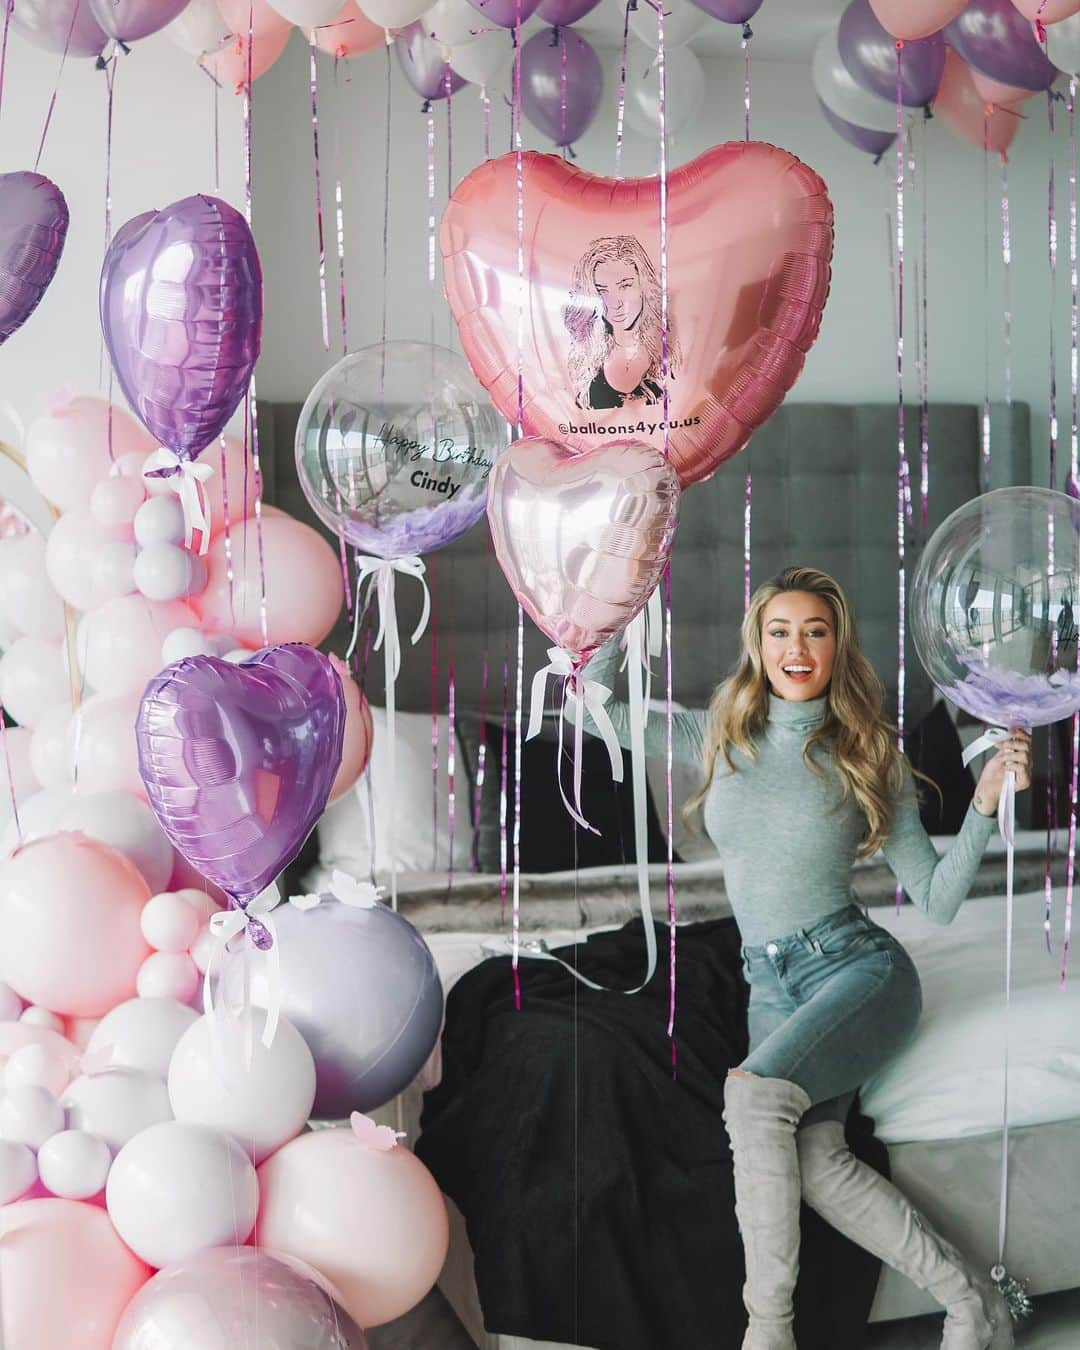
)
(994, 606)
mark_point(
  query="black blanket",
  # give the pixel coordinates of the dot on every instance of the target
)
(597, 1187)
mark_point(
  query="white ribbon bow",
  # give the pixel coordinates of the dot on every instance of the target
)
(346, 889)
(643, 638)
(224, 926)
(1006, 812)
(382, 570)
(187, 477)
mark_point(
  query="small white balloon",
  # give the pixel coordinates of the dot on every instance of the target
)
(115, 500)
(451, 23)
(169, 923)
(199, 900)
(168, 975)
(142, 1033)
(185, 642)
(37, 1066)
(178, 1188)
(262, 1103)
(11, 1005)
(483, 60)
(682, 23)
(74, 1165)
(50, 748)
(306, 13)
(42, 1017)
(393, 13)
(163, 571)
(116, 1105)
(160, 520)
(684, 97)
(114, 569)
(198, 27)
(18, 1171)
(203, 951)
(37, 816)
(29, 1115)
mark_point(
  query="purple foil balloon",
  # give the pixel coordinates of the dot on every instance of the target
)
(46, 23)
(33, 227)
(869, 53)
(128, 20)
(424, 63)
(505, 13)
(361, 987)
(238, 760)
(561, 12)
(730, 11)
(995, 38)
(862, 138)
(542, 89)
(181, 311)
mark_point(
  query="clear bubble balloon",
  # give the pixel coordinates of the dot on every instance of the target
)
(394, 447)
(994, 604)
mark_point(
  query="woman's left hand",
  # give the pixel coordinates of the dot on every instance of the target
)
(1013, 754)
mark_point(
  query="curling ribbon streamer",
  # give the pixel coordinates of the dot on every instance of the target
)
(382, 574)
(187, 478)
(1074, 466)
(254, 921)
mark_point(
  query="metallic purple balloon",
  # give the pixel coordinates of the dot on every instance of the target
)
(730, 11)
(424, 63)
(862, 138)
(561, 12)
(505, 13)
(542, 87)
(46, 23)
(995, 38)
(869, 53)
(181, 311)
(246, 1298)
(362, 988)
(33, 227)
(238, 760)
(128, 20)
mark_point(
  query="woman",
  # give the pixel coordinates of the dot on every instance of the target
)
(802, 776)
(614, 321)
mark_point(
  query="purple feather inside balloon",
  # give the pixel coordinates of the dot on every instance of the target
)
(33, 227)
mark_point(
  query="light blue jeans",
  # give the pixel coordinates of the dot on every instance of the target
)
(829, 1005)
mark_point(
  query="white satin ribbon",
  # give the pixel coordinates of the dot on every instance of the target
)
(643, 638)
(186, 478)
(383, 571)
(224, 926)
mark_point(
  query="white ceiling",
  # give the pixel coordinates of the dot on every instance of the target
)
(784, 30)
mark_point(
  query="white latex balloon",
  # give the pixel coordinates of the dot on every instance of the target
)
(29, 1115)
(306, 13)
(37, 816)
(27, 599)
(142, 1033)
(126, 824)
(116, 1105)
(483, 60)
(114, 569)
(17, 777)
(37, 1066)
(50, 747)
(262, 1105)
(160, 520)
(451, 23)
(685, 92)
(18, 1171)
(168, 975)
(842, 95)
(74, 1165)
(179, 1187)
(169, 923)
(1063, 44)
(203, 950)
(11, 1005)
(42, 1017)
(393, 13)
(164, 571)
(198, 27)
(682, 21)
(33, 678)
(183, 642)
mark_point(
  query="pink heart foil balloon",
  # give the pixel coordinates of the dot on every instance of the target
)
(582, 538)
(33, 227)
(749, 243)
(238, 760)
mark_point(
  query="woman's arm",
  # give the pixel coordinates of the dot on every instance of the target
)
(687, 728)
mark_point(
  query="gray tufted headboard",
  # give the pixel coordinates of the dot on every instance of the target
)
(824, 494)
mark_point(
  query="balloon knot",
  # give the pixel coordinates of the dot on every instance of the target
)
(747, 32)
(425, 107)
(632, 6)
(899, 44)
(570, 151)
(555, 36)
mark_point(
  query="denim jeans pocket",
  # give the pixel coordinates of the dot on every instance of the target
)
(858, 936)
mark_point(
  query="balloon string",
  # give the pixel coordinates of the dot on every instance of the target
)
(252, 401)
(56, 86)
(1007, 816)
(1006, 264)
(1074, 453)
(9, 9)
(339, 223)
(485, 104)
(562, 89)
(386, 200)
(504, 784)
(228, 531)
(1051, 240)
(10, 776)
(749, 489)
(435, 737)
(519, 185)
(620, 118)
(481, 755)
(985, 463)
(431, 216)
(923, 341)
(747, 35)
(110, 80)
(314, 82)
(901, 449)
(215, 91)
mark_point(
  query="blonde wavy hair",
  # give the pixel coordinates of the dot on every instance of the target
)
(855, 733)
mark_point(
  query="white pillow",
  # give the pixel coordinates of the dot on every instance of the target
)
(420, 810)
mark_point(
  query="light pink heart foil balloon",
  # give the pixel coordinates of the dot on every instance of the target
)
(582, 538)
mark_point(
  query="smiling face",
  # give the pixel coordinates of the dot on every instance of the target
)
(619, 288)
(798, 645)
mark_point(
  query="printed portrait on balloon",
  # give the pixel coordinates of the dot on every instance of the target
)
(615, 324)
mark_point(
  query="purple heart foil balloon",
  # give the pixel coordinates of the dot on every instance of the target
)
(424, 63)
(238, 760)
(33, 227)
(181, 310)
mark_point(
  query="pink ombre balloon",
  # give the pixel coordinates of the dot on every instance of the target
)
(349, 33)
(962, 108)
(120, 642)
(996, 94)
(263, 17)
(101, 744)
(582, 539)
(69, 925)
(913, 19)
(67, 450)
(356, 747)
(229, 65)
(1047, 11)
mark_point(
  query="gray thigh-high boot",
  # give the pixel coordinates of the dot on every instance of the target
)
(861, 1204)
(761, 1115)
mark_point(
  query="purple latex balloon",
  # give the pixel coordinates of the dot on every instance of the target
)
(424, 63)
(181, 310)
(46, 23)
(33, 227)
(542, 84)
(505, 13)
(869, 53)
(862, 138)
(128, 20)
(238, 760)
(362, 988)
(730, 11)
(561, 12)
(994, 37)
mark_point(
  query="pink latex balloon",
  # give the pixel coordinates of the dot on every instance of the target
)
(356, 747)
(994, 93)
(349, 33)
(228, 482)
(584, 538)
(1047, 11)
(304, 589)
(116, 499)
(371, 1222)
(67, 451)
(264, 17)
(101, 745)
(748, 254)
(15, 1036)
(62, 1268)
(229, 65)
(961, 108)
(69, 924)
(120, 642)
(75, 544)
(911, 19)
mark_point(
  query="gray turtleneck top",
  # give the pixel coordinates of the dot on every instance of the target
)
(786, 837)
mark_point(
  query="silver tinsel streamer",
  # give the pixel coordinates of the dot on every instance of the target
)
(1014, 1293)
